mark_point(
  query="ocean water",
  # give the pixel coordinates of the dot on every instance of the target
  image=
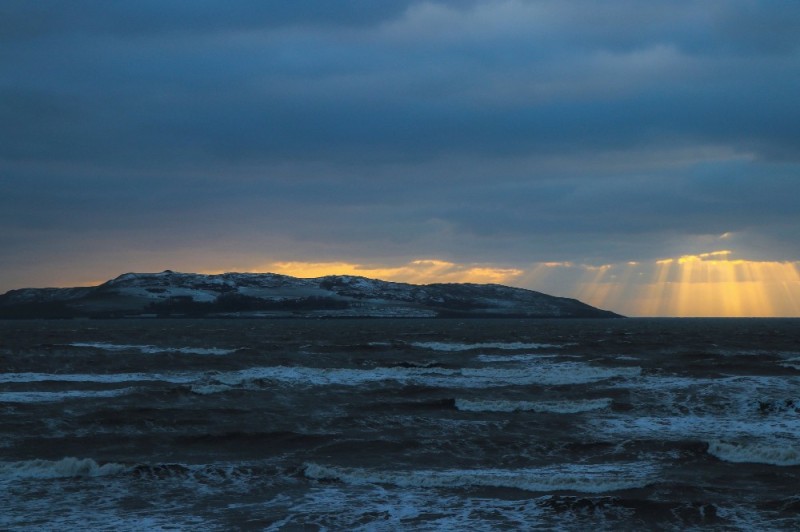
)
(400, 424)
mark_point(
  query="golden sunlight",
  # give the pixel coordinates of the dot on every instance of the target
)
(712, 284)
(705, 285)
(417, 272)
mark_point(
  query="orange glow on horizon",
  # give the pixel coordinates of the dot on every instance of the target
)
(423, 271)
(704, 285)
(709, 284)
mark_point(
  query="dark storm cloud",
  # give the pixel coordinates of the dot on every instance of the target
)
(24, 19)
(506, 131)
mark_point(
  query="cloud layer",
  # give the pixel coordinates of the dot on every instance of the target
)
(147, 135)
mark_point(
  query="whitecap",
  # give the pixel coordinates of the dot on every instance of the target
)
(697, 427)
(64, 468)
(525, 357)
(732, 396)
(154, 349)
(544, 372)
(452, 346)
(791, 363)
(780, 452)
(585, 478)
(556, 407)
(547, 373)
(108, 378)
(52, 397)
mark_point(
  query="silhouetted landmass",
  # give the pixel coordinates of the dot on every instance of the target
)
(268, 295)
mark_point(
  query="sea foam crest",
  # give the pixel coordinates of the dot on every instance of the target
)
(451, 346)
(585, 478)
(154, 349)
(775, 452)
(64, 468)
(556, 407)
(519, 358)
(51, 397)
(107, 378)
(543, 372)
(549, 373)
(793, 363)
(699, 427)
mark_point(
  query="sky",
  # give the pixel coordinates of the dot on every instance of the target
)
(642, 156)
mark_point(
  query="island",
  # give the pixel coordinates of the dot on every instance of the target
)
(268, 295)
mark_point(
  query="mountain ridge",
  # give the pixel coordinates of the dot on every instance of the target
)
(272, 295)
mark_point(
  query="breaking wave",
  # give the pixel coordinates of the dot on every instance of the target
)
(700, 427)
(47, 397)
(548, 373)
(154, 349)
(108, 378)
(64, 468)
(596, 478)
(526, 357)
(449, 346)
(556, 407)
(544, 372)
(776, 452)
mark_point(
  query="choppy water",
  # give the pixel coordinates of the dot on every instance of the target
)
(400, 424)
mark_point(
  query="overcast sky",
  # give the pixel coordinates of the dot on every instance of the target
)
(210, 135)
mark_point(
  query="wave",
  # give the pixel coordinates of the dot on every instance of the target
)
(153, 349)
(775, 452)
(697, 427)
(208, 389)
(108, 378)
(546, 373)
(51, 397)
(64, 468)
(330, 506)
(792, 363)
(556, 407)
(584, 478)
(451, 346)
(526, 357)
(743, 397)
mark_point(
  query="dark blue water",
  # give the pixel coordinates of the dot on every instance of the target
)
(400, 424)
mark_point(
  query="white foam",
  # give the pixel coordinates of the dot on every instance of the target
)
(792, 363)
(710, 428)
(556, 407)
(525, 357)
(781, 452)
(154, 349)
(109, 378)
(51, 397)
(375, 508)
(64, 468)
(452, 346)
(546, 373)
(740, 396)
(584, 478)
(543, 372)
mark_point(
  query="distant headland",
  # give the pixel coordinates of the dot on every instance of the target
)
(269, 295)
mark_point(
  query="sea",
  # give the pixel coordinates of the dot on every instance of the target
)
(392, 424)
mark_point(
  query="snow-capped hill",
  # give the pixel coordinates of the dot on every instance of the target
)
(171, 293)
